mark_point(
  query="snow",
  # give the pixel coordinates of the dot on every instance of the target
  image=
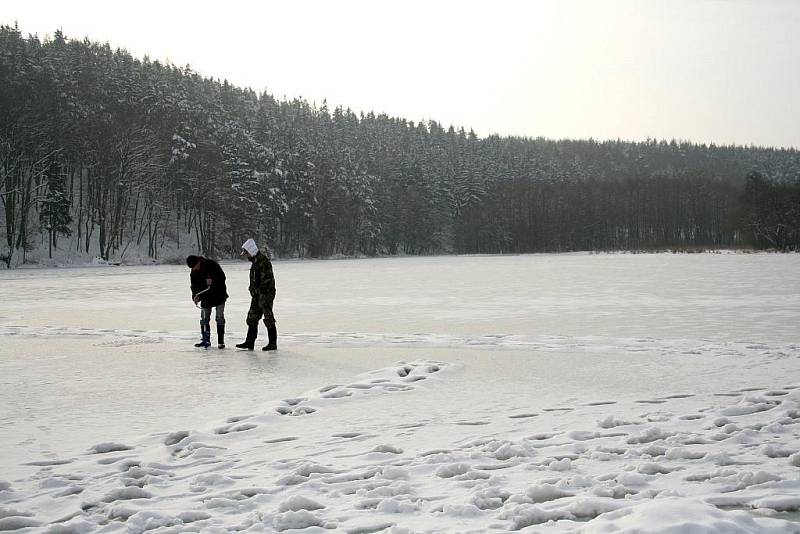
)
(557, 393)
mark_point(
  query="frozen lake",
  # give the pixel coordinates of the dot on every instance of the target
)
(98, 355)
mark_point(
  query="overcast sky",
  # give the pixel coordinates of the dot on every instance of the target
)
(723, 71)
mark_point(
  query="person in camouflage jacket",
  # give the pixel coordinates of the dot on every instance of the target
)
(262, 295)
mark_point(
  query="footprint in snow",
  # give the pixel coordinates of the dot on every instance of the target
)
(237, 418)
(234, 428)
(410, 425)
(371, 528)
(541, 437)
(295, 411)
(103, 448)
(47, 463)
(404, 371)
(175, 437)
(388, 386)
(472, 423)
(387, 449)
(409, 372)
(336, 394)
(281, 440)
(109, 460)
(413, 378)
(523, 415)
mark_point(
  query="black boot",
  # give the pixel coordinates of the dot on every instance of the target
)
(221, 336)
(272, 331)
(250, 342)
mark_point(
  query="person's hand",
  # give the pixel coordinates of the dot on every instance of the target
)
(195, 299)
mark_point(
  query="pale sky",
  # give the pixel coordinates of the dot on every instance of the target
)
(722, 71)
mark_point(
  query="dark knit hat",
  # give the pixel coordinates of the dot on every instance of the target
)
(191, 261)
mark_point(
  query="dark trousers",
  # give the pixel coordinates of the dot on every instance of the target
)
(205, 316)
(261, 307)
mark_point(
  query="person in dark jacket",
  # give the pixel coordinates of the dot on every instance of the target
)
(209, 291)
(262, 295)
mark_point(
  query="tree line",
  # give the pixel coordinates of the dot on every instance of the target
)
(105, 153)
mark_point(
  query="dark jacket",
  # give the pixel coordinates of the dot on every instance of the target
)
(217, 291)
(262, 280)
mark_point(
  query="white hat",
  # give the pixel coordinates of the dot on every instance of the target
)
(250, 247)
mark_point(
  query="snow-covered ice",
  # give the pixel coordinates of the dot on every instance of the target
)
(541, 393)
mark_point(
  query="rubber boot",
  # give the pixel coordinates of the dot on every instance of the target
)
(250, 342)
(202, 337)
(205, 332)
(272, 331)
(221, 336)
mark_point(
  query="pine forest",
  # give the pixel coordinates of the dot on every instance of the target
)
(103, 154)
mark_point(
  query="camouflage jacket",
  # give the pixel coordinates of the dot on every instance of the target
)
(262, 280)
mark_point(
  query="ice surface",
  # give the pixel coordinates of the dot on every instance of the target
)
(596, 392)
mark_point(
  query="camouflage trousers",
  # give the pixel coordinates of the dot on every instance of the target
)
(261, 306)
